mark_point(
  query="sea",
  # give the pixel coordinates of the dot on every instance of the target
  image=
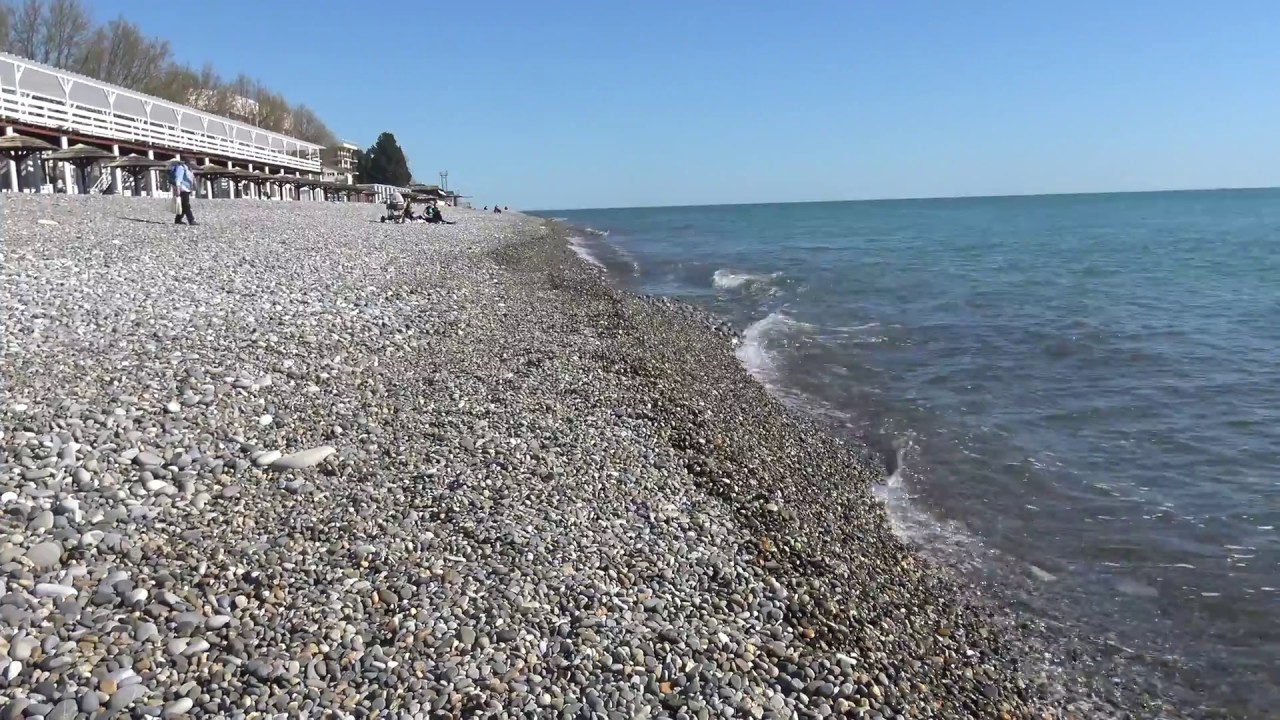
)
(1076, 398)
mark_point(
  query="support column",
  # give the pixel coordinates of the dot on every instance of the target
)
(151, 176)
(68, 177)
(117, 187)
(13, 168)
(253, 186)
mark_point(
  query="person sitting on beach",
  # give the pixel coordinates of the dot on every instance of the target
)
(497, 209)
(431, 213)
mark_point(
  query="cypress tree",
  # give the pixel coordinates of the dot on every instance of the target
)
(384, 162)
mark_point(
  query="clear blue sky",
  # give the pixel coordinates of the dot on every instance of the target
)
(576, 103)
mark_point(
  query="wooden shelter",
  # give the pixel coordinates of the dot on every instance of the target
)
(135, 165)
(209, 170)
(17, 148)
(82, 157)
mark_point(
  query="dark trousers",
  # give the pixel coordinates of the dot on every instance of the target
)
(186, 210)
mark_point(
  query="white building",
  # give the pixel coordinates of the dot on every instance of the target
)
(65, 108)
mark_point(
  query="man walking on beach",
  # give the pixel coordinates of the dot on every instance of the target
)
(183, 180)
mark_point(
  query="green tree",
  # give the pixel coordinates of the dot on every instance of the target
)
(384, 162)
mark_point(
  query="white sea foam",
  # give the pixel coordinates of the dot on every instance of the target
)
(601, 233)
(727, 279)
(576, 243)
(625, 254)
(754, 351)
(758, 353)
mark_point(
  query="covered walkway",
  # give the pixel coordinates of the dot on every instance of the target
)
(65, 109)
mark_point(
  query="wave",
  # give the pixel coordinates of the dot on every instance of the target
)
(755, 353)
(762, 352)
(601, 233)
(625, 254)
(727, 279)
(578, 246)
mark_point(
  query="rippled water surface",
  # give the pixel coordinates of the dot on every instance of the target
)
(1076, 395)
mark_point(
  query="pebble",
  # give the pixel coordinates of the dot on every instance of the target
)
(147, 459)
(514, 491)
(53, 590)
(125, 696)
(41, 522)
(266, 458)
(45, 555)
(178, 707)
(21, 648)
(304, 458)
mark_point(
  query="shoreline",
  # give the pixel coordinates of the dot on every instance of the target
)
(1085, 676)
(1115, 675)
(544, 496)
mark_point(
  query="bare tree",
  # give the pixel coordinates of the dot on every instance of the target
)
(119, 53)
(212, 94)
(272, 111)
(61, 33)
(54, 32)
(25, 29)
(178, 83)
(6, 20)
(66, 30)
(309, 127)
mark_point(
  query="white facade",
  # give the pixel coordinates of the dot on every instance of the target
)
(383, 193)
(42, 96)
(341, 155)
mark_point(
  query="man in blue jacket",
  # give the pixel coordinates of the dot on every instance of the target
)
(183, 180)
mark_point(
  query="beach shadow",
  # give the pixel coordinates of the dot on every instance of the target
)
(143, 220)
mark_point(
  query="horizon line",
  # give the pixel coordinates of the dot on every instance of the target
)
(913, 198)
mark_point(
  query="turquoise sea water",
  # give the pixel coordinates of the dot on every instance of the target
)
(1077, 397)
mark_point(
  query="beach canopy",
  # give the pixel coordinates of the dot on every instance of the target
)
(80, 154)
(215, 171)
(82, 157)
(126, 162)
(20, 146)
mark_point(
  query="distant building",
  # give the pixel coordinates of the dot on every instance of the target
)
(329, 173)
(341, 156)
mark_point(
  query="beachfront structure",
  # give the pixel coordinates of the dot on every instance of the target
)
(382, 193)
(448, 197)
(333, 174)
(340, 156)
(66, 108)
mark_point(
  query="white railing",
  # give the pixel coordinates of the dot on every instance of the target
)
(40, 95)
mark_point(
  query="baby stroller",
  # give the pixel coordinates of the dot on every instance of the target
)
(397, 212)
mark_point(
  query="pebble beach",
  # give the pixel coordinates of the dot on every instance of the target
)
(296, 463)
